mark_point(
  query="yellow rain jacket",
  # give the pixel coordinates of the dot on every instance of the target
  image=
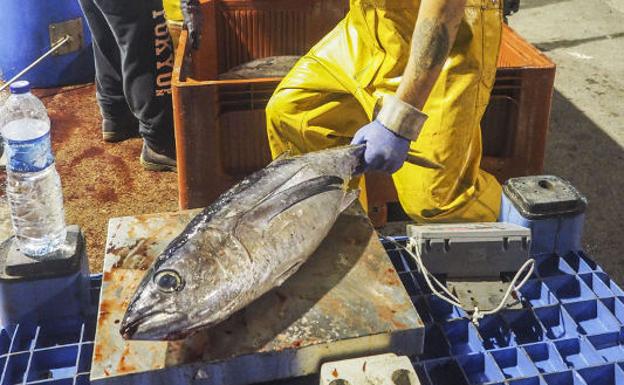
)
(172, 10)
(334, 90)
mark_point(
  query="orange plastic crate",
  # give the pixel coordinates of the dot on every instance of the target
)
(220, 124)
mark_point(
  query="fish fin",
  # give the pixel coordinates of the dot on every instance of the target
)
(287, 274)
(283, 200)
(283, 155)
(350, 197)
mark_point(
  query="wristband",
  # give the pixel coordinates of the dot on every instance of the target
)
(401, 118)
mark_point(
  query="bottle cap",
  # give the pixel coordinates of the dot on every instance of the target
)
(20, 87)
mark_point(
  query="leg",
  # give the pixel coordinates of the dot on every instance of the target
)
(452, 135)
(325, 99)
(309, 112)
(140, 31)
(108, 79)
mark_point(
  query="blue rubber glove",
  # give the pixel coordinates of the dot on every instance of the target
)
(192, 20)
(385, 150)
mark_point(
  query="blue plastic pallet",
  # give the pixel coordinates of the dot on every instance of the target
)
(569, 332)
(57, 352)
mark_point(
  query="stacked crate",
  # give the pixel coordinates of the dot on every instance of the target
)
(51, 352)
(220, 124)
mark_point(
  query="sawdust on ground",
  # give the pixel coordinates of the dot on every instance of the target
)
(100, 180)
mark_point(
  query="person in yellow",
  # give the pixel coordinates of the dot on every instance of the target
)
(181, 13)
(173, 10)
(173, 14)
(411, 79)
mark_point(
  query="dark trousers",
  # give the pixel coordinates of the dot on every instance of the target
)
(133, 62)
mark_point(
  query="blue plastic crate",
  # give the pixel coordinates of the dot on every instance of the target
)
(409, 282)
(495, 332)
(525, 327)
(54, 352)
(580, 263)
(597, 285)
(514, 363)
(421, 373)
(548, 265)
(480, 368)
(436, 345)
(578, 353)
(610, 374)
(572, 321)
(545, 357)
(592, 317)
(557, 322)
(463, 337)
(445, 371)
(536, 294)
(5, 342)
(616, 307)
(420, 303)
(609, 346)
(60, 360)
(442, 311)
(615, 289)
(569, 333)
(612, 285)
(399, 258)
(569, 288)
(569, 377)
(527, 381)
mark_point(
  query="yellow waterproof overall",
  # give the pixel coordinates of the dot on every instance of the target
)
(333, 91)
(173, 12)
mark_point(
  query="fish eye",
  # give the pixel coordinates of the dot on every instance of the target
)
(168, 281)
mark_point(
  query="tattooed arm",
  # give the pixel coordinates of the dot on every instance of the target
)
(399, 120)
(434, 34)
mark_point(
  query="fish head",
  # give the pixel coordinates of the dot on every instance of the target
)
(186, 289)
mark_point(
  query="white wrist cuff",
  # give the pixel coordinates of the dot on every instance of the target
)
(401, 118)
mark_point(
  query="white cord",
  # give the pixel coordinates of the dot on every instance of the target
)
(530, 263)
(476, 313)
(426, 274)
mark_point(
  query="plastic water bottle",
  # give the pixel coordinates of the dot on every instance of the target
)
(33, 185)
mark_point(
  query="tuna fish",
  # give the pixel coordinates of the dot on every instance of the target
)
(253, 238)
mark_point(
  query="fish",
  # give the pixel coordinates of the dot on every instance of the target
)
(249, 241)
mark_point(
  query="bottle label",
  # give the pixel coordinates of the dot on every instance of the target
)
(32, 155)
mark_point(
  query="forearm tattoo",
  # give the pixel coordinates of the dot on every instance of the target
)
(431, 44)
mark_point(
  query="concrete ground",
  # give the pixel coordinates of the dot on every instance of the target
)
(100, 180)
(585, 38)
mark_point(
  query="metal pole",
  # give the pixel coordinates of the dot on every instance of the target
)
(52, 49)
